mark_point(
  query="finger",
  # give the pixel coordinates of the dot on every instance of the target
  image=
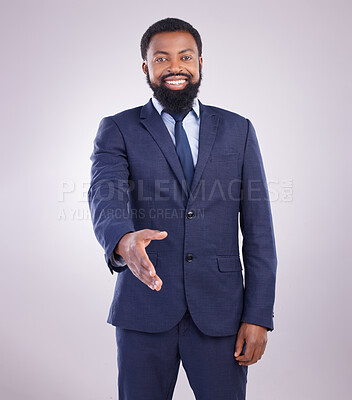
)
(263, 347)
(146, 271)
(258, 355)
(239, 345)
(152, 282)
(254, 359)
(144, 262)
(261, 351)
(248, 355)
(156, 283)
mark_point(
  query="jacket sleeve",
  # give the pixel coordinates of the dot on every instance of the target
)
(108, 194)
(258, 247)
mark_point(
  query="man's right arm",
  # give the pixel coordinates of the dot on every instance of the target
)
(108, 198)
(108, 194)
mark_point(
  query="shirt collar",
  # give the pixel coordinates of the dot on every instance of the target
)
(159, 108)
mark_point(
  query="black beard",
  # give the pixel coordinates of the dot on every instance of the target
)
(176, 101)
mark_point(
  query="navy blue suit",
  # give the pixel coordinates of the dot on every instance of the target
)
(137, 182)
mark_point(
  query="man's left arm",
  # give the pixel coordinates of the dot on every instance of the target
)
(259, 255)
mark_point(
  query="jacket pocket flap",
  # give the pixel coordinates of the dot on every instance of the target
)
(229, 263)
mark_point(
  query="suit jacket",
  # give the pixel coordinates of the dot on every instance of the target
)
(137, 183)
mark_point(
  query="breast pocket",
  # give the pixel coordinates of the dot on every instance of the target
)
(224, 157)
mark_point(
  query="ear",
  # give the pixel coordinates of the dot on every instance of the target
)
(201, 62)
(144, 67)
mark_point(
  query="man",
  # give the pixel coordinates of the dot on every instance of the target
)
(169, 180)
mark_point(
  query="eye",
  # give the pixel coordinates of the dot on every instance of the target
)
(187, 58)
(159, 59)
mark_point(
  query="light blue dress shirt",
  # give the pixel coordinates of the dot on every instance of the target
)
(191, 125)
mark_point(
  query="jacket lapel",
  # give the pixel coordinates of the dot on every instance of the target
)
(153, 122)
(209, 122)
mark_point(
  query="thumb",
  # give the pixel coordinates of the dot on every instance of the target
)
(239, 345)
(158, 235)
(152, 234)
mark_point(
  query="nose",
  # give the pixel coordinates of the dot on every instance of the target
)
(175, 66)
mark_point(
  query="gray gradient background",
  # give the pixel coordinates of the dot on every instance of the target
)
(65, 65)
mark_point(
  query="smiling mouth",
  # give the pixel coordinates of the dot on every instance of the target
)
(178, 82)
(175, 83)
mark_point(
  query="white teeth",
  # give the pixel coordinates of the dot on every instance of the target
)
(176, 82)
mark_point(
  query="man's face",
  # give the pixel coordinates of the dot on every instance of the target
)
(173, 69)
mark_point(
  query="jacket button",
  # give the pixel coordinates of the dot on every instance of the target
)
(190, 214)
(189, 257)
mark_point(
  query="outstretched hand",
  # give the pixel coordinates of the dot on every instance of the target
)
(132, 248)
(256, 340)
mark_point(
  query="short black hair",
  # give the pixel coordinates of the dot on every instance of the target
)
(169, 25)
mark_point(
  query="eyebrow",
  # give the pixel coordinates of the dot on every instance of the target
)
(165, 52)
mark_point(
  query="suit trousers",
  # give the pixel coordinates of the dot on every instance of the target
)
(148, 363)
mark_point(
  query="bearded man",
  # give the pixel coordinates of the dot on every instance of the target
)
(180, 292)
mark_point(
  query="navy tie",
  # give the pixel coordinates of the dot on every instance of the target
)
(183, 148)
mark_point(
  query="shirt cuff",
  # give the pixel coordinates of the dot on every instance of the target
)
(117, 260)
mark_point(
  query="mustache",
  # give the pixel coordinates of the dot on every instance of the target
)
(175, 101)
(178, 74)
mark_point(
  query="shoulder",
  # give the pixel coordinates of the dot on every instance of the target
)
(126, 115)
(123, 119)
(222, 112)
(230, 118)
